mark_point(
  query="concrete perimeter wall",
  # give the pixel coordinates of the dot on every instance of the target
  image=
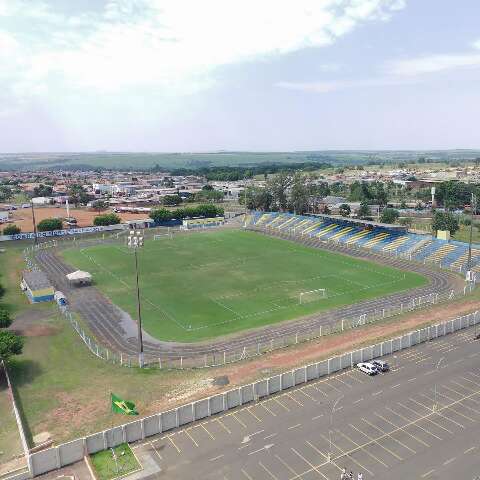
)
(71, 452)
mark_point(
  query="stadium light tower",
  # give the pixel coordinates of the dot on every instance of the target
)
(135, 241)
(473, 210)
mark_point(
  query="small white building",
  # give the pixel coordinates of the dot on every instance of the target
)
(4, 216)
(42, 200)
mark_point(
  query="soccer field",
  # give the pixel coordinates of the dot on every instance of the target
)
(207, 284)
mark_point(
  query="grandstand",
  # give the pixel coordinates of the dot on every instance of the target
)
(370, 235)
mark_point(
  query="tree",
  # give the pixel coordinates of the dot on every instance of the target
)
(161, 215)
(389, 215)
(6, 193)
(299, 193)
(107, 219)
(278, 186)
(445, 221)
(11, 230)
(43, 190)
(49, 224)
(209, 195)
(10, 344)
(99, 205)
(5, 320)
(344, 210)
(77, 194)
(406, 221)
(172, 200)
(364, 210)
(257, 198)
(359, 192)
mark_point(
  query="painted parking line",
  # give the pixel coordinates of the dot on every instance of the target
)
(403, 429)
(249, 410)
(218, 457)
(357, 448)
(377, 460)
(390, 436)
(428, 419)
(191, 438)
(295, 400)
(281, 404)
(223, 425)
(173, 443)
(247, 476)
(414, 423)
(239, 421)
(294, 426)
(286, 465)
(376, 442)
(440, 414)
(208, 433)
(313, 399)
(427, 474)
(313, 467)
(262, 404)
(463, 405)
(313, 447)
(268, 471)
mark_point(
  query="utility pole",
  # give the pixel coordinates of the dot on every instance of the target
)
(135, 240)
(473, 206)
(35, 236)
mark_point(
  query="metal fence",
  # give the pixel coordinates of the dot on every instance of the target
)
(217, 357)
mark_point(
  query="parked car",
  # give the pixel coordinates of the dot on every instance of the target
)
(367, 368)
(381, 365)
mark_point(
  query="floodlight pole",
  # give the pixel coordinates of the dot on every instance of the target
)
(473, 206)
(135, 240)
(35, 236)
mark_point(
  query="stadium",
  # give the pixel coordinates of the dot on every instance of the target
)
(216, 293)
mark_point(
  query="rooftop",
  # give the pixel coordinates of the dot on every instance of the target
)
(36, 280)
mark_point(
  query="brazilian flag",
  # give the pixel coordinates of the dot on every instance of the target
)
(122, 406)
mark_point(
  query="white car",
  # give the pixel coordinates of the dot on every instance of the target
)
(367, 368)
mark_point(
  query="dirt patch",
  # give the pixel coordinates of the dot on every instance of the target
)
(34, 323)
(40, 330)
(23, 217)
(71, 412)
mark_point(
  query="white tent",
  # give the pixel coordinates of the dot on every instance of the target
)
(79, 277)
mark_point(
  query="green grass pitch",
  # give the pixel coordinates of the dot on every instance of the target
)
(208, 284)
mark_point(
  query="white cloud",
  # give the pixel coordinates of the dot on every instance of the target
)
(476, 44)
(432, 64)
(332, 86)
(167, 44)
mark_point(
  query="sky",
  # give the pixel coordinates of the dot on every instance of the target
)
(266, 75)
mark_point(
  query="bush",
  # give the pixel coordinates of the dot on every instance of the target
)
(389, 215)
(11, 230)
(49, 224)
(204, 211)
(5, 320)
(10, 344)
(445, 221)
(172, 200)
(161, 215)
(107, 219)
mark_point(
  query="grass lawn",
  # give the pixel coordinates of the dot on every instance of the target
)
(208, 284)
(105, 466)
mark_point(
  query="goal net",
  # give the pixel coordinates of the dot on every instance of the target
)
(312, 295)
(168, 233)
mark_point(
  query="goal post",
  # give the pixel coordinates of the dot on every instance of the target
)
(311, 295)
(159, 236)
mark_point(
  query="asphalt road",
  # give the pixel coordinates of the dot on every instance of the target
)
(391, 425)
(117, 331)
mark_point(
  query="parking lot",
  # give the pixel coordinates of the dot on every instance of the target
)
(420, 420)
